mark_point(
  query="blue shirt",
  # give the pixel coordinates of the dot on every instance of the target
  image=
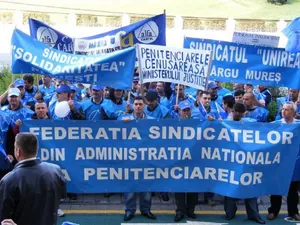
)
(4, 123)
(132, 117)
(223, 92)
(22, 113)
(68, 117)
(92, 110)
(160, 112)
(31, 94)
(259, 114)
(47, 91)
(113, 110)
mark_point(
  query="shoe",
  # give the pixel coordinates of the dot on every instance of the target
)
(296, 217)
(211, 203)
(60, 213)
(107, 195)
(271, 216)
(191, 215)
(165, 197)
(227, 217)
(178, 217)
(72, 196)
(259, 220)
(128, 216)
(149, 215)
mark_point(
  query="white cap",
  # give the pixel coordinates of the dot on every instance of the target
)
(14, 92)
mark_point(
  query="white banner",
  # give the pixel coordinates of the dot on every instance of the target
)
(188, 67)
(255, 39)
(103, 45)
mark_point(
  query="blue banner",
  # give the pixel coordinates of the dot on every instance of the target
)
(148, 31)
(49, 36)
(112, 70)
(239, 63)
(234, 159)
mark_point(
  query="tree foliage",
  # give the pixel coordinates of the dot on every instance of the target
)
(278, 2)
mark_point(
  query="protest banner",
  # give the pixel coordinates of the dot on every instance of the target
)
(49, 36)
(255, 39)
(148, 31)
(238, 63)
(112, 70)
(181, 66)
(237, 159)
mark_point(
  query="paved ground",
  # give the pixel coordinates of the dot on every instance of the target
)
(116, 202)
(99, 210)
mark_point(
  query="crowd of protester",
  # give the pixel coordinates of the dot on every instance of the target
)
(24, 100)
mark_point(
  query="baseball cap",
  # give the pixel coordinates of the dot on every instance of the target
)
(151, 96)
(73, 88)
(212, 85)
(63, 89)
(19, 83)
(135, 78)
(14, 92)
(184, 105)
(97, 87)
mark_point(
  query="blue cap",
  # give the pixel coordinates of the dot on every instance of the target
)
(184, 105)
(97, 87)
(135, 78)
(73, 87)
(211, 85)
(19, 83)
(63, 89)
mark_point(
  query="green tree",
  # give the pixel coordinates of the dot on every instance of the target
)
(278, 2)
(5, 79)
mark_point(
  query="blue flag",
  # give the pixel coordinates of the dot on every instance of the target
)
(49, 36)
(112, 70)
(294, 26)
(4, 160)
(292, 32)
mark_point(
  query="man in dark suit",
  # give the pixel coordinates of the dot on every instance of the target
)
(31, 192)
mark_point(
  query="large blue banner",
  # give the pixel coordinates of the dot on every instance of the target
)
(112, 70)
(148, 31)
(239, 63)
(48, 35)
(229, 158)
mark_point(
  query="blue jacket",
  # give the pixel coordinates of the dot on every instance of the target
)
(112, 110)
(92, 110)
(160, 112)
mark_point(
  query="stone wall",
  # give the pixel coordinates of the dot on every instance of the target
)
(189, 23)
